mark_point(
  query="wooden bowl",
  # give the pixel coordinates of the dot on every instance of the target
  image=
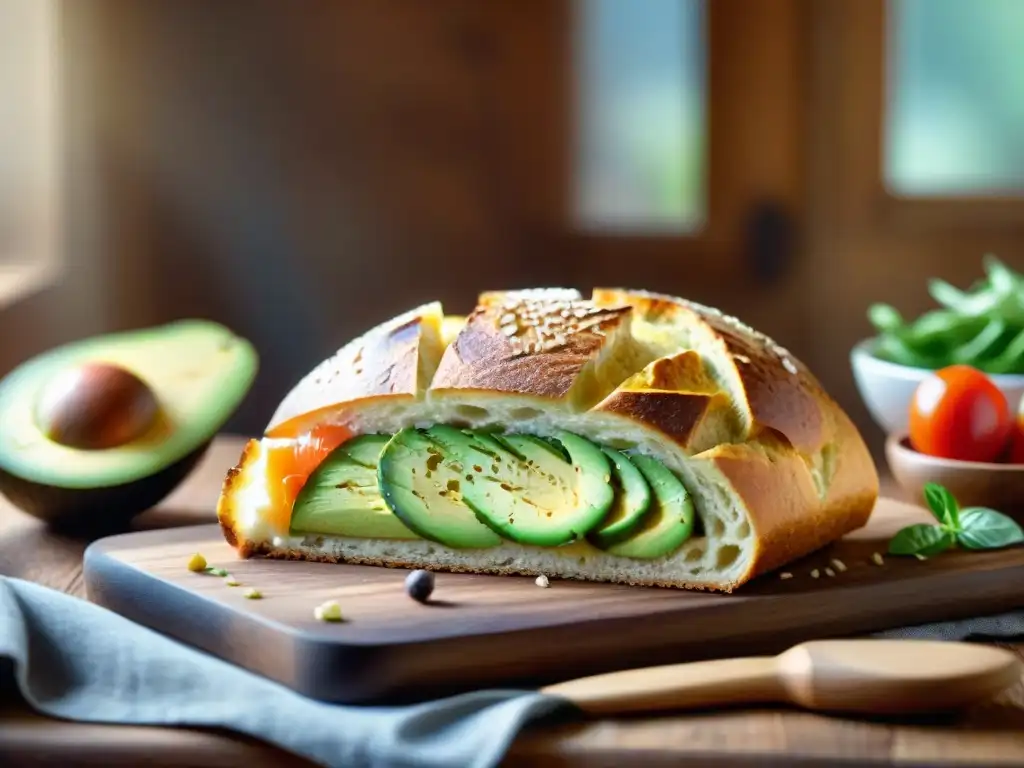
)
(972, 483)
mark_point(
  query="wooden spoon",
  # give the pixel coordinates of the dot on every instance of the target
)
(879, 677)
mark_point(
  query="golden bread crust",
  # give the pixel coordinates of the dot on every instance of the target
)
(788, 516)
(677, 416)
(385, 362)
(534, 345)
(674, 395)
(229, 496)
(777, 391)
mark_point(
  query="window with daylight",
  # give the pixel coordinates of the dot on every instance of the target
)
(28, 145)
(955, 101)
(640, 115)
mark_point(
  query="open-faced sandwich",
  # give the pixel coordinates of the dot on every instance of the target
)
(629, 437)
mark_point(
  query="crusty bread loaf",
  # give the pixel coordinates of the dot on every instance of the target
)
(775, 467)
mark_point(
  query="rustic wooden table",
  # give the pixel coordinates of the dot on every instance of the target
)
(990, 735)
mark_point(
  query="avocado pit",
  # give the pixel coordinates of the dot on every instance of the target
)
(96, 406)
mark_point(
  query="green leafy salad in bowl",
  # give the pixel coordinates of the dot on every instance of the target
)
(982, 327)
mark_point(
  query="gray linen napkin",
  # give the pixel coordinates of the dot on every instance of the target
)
(75, 660)
(1003, 626)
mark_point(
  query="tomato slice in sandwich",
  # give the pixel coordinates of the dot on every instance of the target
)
(290, 465)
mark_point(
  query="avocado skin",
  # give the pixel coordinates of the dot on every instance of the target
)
(110, 508)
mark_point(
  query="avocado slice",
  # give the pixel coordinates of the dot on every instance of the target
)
(108, 426)
(545, 443)
(365, 449)
(668, 521)
(422, 482)
(531, 494)
(494, 445)
(342, 498)
(632, 500)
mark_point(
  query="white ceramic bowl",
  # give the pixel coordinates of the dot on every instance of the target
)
(887, 388)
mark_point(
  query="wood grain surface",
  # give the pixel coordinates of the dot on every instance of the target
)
(501, 630)
(986, 736)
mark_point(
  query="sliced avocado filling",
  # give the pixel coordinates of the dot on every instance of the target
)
(632, 500)
(532, 495)
(668, 521)
(422, 483)
(473, 489)
(342, 497)
(366, 449)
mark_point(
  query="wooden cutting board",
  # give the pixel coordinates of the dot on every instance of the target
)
(486, 631)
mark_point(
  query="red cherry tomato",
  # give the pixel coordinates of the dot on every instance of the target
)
(958, 413)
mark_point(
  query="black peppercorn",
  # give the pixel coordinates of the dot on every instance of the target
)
(419, 585)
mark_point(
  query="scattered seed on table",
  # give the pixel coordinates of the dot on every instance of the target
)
(919, 556)
(328, 611)
(253, 594)
(829, 572)
(877, 558)
(231, 581)
(785, 575)
(815, 573)
(197, 563)
(838, 564)
(542, 581)
(420, 585)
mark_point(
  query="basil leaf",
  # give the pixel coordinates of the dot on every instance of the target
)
(942, 505)
(921, 539)
(984, 528)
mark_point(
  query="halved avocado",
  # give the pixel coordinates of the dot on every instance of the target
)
(668, 521)
(96, 431)
(530, 494)
(422, 481)
(632, 500)
(342, 496)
